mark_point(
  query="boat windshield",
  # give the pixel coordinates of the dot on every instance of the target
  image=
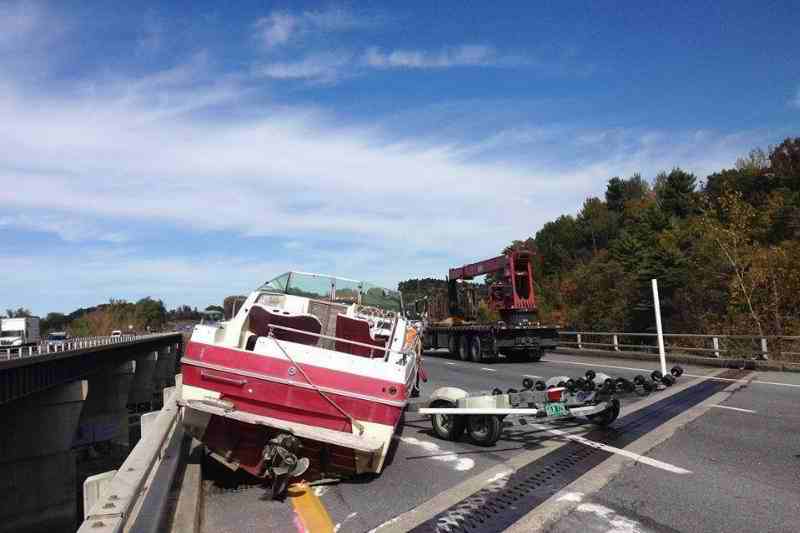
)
(340, 290)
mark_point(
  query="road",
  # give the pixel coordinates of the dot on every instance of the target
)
(719, 451)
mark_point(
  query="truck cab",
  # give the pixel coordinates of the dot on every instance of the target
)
(18, 332)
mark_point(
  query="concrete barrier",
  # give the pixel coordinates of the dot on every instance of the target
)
(117, 509)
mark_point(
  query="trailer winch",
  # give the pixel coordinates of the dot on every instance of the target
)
(594, 396)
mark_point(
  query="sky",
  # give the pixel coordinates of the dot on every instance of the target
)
(191, 150)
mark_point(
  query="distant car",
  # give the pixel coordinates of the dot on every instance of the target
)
(116, 333)
(57, 338)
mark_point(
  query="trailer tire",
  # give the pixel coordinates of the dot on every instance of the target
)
(484, 430)
(463, 348)
(608, 416)
(447, 427)
(475, 352)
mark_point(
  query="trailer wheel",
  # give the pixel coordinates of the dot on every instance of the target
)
(475, 349)
(606, 417)
(484, 430)
(447, 427)
(463, 348)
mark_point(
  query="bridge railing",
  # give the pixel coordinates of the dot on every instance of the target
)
(781, 348)
(135, 497)
(78, 343)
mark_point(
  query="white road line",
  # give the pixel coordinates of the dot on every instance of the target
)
(689, 375)
(619, 451)
(602, 366)
(450, 363)
(531, 376)
(733, 408)
(488, 369)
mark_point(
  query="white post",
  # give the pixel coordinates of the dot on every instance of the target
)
(764, 351)
(716, 347)
(616, 344)
(657, 306)
(580, 346)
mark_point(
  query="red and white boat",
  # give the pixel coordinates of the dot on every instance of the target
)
(312, 370)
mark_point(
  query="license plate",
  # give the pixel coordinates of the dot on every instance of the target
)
(556, 409)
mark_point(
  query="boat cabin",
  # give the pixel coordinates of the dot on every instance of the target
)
(333, 313)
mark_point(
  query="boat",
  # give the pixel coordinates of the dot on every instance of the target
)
(309, 378)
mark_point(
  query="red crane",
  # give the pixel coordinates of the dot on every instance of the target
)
(511, 294)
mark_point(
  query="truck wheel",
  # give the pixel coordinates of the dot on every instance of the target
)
(484, 430)
(535, 355)
(452, 345)
(447, 427)
(463, 348)
(475, 349)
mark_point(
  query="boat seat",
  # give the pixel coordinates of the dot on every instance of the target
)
(262, 318)
(250, 345)
(357, 329)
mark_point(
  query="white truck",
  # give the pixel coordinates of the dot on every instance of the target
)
(18, 332)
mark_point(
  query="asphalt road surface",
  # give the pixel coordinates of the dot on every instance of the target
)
(719, 451)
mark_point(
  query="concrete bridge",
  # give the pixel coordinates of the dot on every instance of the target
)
(56, 403)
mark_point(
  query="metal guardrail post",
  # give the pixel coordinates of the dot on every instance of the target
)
(764, 350)
(716, 347)
(616, 343)
(580, 346)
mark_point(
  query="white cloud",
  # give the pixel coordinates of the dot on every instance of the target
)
(281, 27)
(457, 56)
(323, 68)
(292, 172)
(69, 229)
(276, 28)
(329, 67)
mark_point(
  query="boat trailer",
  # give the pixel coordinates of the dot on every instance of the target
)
(594, 396)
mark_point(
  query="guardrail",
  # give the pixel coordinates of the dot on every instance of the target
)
(134, 498)
(79, 343)
(785, 348)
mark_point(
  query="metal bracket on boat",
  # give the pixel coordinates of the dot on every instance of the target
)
(279, 462)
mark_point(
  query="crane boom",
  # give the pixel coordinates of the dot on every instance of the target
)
(487, 266)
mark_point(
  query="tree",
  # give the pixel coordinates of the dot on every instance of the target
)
(20, 312)
(784, 161)
(675, 192)
(731, 229)
(217, 308)
(620, 191)
(80, 328)
(54, 322)
(150, 314)
(557, 243)
(756, 162)
(597, 224)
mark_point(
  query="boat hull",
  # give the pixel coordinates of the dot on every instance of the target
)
(235, 401)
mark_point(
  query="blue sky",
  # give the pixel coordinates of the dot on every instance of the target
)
(192, 150)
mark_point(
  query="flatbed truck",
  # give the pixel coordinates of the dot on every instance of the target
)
(454, 322)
